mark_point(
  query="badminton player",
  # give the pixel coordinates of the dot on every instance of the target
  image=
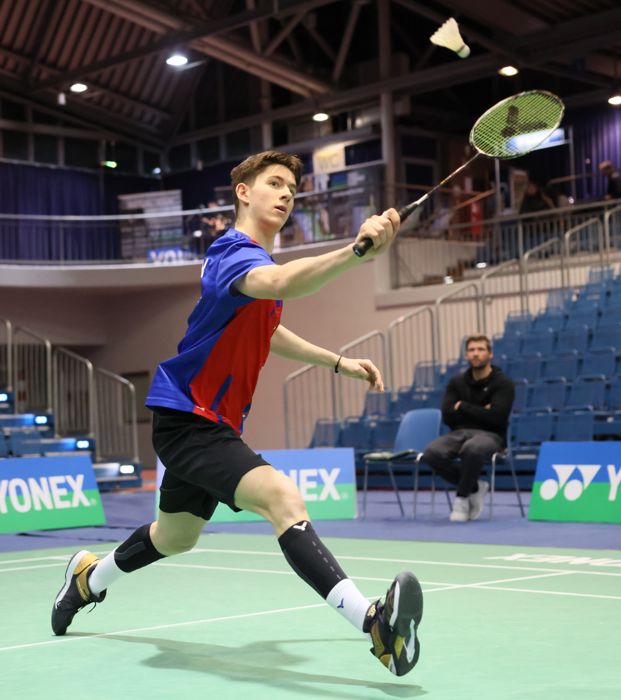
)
(201, 397)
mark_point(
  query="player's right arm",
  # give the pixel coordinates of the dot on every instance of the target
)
(302, 277)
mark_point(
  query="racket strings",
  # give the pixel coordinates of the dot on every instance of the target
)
(517, 125)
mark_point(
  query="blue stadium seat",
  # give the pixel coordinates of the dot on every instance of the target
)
(607, 336)
(603, 274)
(559, 298)
(384, 433)
(377, 403)
(613, 397)
(327, 433)
(356, 433)
(574, 427)
(548, 395)
(553, 319)
(525, 367)
(538, 341)
(573, 338)
(407, 400)
(520, 400)
(586, 393)
(582, 317)
(562, 365)
(26, 443)
(518, 321)
(426, 376)
(4, 446)
(598, 363)
(508, 345)
(529, 429)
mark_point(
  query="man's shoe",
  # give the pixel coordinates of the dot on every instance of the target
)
(476, 500)
(393, 625)
(461, 510)
(75, 594)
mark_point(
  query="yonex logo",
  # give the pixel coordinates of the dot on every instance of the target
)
(47, 493)
(309, 480)
(574, 479)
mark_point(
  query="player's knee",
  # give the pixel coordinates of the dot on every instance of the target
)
(287, 506)
(174, 543)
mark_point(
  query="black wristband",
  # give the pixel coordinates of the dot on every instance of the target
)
(338, 362)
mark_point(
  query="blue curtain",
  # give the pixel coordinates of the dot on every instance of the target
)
(597, 137)
(27, 189)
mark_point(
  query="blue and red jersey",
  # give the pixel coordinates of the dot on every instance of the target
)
(227, 341)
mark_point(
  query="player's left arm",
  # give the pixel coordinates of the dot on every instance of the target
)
(287, 344)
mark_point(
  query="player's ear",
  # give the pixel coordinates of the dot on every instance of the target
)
(241, 190)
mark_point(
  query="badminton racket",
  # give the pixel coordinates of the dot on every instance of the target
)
(511, 128)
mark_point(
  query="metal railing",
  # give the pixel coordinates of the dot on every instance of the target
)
(6, 355)
(453, 321)
(500, 295)
(350, 394)
(32, 372)
(74, 394)
(580, 246)
(116, 419)
(542, 270)
(411, 339)
(308, 393)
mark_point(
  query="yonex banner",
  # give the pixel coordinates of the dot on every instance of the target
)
(46, 493)
(578, 481)
(325, 477)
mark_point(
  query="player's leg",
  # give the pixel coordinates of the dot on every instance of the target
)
(440, 455)
(87, 578)
(392, 624)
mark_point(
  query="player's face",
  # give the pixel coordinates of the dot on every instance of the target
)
(271, 194)
(477, 354)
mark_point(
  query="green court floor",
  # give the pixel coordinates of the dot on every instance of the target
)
(230, 620)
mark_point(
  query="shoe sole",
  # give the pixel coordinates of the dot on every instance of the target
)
(406, 617)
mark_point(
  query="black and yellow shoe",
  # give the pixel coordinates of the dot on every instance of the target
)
(75, 594)
(393, 625)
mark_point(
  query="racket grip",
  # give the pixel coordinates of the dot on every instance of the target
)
(361, 248)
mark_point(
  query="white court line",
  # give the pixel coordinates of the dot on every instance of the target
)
(532, 590)
(208, 620)
(201, 550)
(63, 557)
(32, 568)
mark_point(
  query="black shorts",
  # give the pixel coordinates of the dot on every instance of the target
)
(204, 462)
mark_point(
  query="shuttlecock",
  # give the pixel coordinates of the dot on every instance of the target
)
(448, 36)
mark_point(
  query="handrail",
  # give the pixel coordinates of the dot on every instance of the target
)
(448, 295)
(352, 344)
(90, 390)
(607, 215)
(132, 406)
(527, 256)
(499, 269)
(47, 399)
(9, 353)
(576, 229)
(393, 327)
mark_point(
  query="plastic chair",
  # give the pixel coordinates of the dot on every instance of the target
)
(538, 341)
(416, 430)
(518, 321)
(573, 338)
(525, 367)
(426, 376)
(377, 403)
(598, 363)
(586, 393)
(548, 395)
(561, 366)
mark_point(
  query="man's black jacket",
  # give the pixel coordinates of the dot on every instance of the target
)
(496, 391)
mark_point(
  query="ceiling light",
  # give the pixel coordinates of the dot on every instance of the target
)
(481, 265)
(177, 59)
(320, 117)
(508, 71)
(61, 99)
(615, 100)
(79, 87)
(109, 163)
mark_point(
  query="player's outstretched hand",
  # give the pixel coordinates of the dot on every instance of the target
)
(381, 229)
(362, 369)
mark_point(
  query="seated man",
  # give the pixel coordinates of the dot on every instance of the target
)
(476, 406)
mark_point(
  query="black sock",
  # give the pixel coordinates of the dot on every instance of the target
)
(137, 551)
(310, 558)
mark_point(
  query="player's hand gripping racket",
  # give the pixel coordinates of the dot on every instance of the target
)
(511, 128)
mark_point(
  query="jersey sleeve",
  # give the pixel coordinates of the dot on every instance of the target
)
(236, 262)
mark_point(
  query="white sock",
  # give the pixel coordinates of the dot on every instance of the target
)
(346, 599)
(105, 573)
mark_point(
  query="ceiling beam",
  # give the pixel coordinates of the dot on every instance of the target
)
(202, 38)
(418, 82)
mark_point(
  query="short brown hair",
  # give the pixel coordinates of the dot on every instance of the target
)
(248, 169)
(478, 339)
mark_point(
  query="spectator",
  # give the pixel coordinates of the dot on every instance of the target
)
(535, 199)
(614, 179)
(476, 407)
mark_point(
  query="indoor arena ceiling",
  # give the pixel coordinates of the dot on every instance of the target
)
(311, 53)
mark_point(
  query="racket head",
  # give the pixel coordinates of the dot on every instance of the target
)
(518, 124)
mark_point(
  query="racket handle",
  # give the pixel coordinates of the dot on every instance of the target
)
(361, 248)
